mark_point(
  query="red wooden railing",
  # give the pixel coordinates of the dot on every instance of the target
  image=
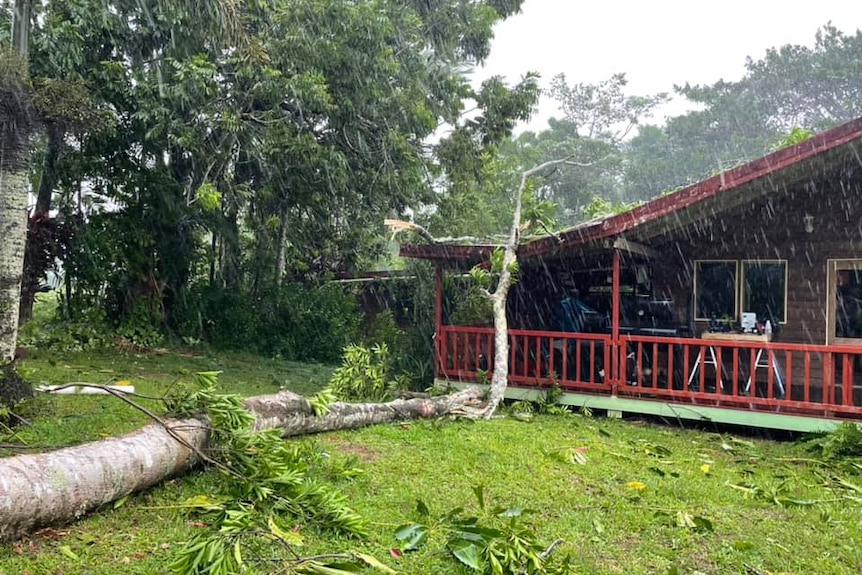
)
(800, 378)
(535, 357)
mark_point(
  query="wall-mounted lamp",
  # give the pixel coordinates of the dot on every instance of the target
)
(809, 222)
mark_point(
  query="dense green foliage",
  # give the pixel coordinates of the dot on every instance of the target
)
(296, 321)
(407, 325)
(364, 374)
(209, 153)
(212, 165)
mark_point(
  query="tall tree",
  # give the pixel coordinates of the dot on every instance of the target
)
(15, 128)
(597, 118)
(474, 192)
(649, 167)
(793, 86)
(812, 87)
(258, 156)
(17, 115)
(494, 279)
(505, 264)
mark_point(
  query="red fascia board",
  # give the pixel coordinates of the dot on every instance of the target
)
(445, 251)
(660, 207)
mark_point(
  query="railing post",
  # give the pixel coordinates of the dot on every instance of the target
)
(618, 355)
(439, 336)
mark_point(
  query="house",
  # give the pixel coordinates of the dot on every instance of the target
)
(662, 289)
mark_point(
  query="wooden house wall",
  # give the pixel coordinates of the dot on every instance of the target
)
(770, 228)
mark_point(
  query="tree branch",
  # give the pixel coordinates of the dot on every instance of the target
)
(398, 226)
(550, 232)
(54, 389)
(547, 552)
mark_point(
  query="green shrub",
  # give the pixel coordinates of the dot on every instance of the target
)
(411, 350)
(227, 319)
(383, 329)
(87, 331)
(364, 374)
(141, 325)
(845, 441)
(298, 322)
(313, 323)
(13, 390)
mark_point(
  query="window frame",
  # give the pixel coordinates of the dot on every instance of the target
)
(832, 267)
(741, 289)
(697, 264)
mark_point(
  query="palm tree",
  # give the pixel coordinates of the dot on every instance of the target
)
(15, 129)
(218, 17)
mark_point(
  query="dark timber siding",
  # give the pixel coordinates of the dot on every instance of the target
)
(772, 228)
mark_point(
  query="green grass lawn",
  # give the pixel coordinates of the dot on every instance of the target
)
(626, 496)
(63, 420)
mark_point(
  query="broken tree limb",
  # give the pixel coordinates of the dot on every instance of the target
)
(269, 410)
(51, 488)
(499, 296)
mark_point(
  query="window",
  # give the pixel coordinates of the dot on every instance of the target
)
(764, 289)
(844, 303)
(715, 289)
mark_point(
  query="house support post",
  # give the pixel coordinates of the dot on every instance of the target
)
(438, 321)
(617, 353)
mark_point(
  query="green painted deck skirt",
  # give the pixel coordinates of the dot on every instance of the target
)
(618, 406)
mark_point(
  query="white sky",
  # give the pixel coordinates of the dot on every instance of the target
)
(656, 43)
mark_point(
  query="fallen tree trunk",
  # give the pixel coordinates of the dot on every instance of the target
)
(61, 486)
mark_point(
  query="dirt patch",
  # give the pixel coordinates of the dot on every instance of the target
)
(363, 453)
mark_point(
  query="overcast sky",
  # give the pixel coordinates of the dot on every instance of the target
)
(656, 43)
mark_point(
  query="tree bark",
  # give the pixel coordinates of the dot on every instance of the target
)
(61, 486)
(499, 297)
(14, 186)
(15, 127)
(281, 257)
(500, 377)
(48, 181)
(33, 272)
(13, 229)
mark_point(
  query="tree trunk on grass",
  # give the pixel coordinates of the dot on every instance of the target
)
(60, 486)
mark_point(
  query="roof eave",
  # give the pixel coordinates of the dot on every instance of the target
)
(591, 232)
